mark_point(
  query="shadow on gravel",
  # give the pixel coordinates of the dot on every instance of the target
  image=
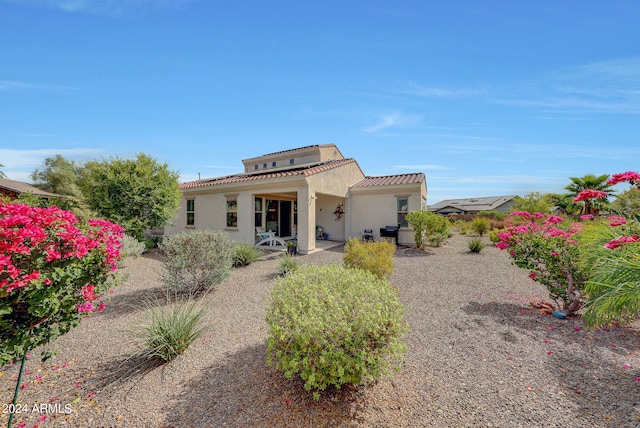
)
(411, 252)
(125, 303)
(590, 380)
(243, 391)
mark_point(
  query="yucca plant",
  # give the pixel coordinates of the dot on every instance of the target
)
(245, 254)
(476, 245)
(288, 263)
(171, 329)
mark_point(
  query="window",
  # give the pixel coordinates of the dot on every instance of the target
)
(191, 214)
(273, 164)
(255, 166)
(258, 212)
(403, 210)
(290, 161)
(264, 165)
(232, 211)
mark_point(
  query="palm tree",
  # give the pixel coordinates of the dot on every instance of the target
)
(591, 182)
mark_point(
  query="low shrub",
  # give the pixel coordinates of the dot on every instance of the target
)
(375, 257)
(244, 254)
(332, 325)
(493, 235)
(171, 329)
(131, 247)
(288, 263)
(480, 225)
(476, 245)
(197, 261)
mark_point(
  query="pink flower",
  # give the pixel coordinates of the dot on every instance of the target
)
(533, 275)
(91, 394)
(287, 400)
(554, 219)
(629, 176)
(588, 194)
(85, 307)
(550, 353)
(617, 221)
(627, 366)
(637, 379)
(78, 384)
(616, 243)
(547, 341)
(549, 328)
(586, 217)
(42, 418)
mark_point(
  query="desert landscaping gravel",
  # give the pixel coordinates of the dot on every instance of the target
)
(479, 356)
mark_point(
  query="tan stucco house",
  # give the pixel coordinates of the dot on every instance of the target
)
(293, 192)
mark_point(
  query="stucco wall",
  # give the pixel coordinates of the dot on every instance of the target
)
(325, 206)
(375, 209)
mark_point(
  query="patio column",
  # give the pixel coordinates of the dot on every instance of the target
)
(306, 220)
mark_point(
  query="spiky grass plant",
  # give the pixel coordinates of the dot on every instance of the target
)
(171, 329)
(476, 245)
(288, 263)
(244, 254)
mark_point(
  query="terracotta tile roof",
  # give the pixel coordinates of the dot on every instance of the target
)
(245, 178)
(19, 187)
(391, 180)
(291, 151)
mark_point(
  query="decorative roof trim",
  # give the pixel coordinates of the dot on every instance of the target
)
(247, 178)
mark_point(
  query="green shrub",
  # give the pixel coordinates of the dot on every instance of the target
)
(333, 325)
(463, 226)
(493, 235)
(429, 227)
(131, 247)
(197, 261)
(476, 245)
(288, 263)
(244, 254)
(480, 225)
(171, 329)
(375, 257)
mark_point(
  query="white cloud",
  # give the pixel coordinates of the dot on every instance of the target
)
(424, 167)
(6, 85)
(19, 164)
(390, 120)
(105, 7)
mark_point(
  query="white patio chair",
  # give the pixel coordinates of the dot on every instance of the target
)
(268, 238)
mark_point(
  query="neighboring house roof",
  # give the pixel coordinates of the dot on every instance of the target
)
(391, 180)
(488, 203)
(303, 171)
(18, 187)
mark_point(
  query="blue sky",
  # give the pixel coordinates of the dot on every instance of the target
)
(486, 98)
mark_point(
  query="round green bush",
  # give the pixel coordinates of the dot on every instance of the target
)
(197, 261)
(333, 326)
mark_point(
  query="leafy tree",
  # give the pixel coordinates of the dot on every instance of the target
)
(138, 194)
(62, 177)
(534, 202)
(428, 227)
(591, 182)
(628, 201)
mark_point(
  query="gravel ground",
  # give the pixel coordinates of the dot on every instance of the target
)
(478, 356)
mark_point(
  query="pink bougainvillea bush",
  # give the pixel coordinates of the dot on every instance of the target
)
(545, 246)
(53, 272)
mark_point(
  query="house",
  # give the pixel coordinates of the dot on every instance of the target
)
(303, 193)
(474, 205)
(12, 189)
